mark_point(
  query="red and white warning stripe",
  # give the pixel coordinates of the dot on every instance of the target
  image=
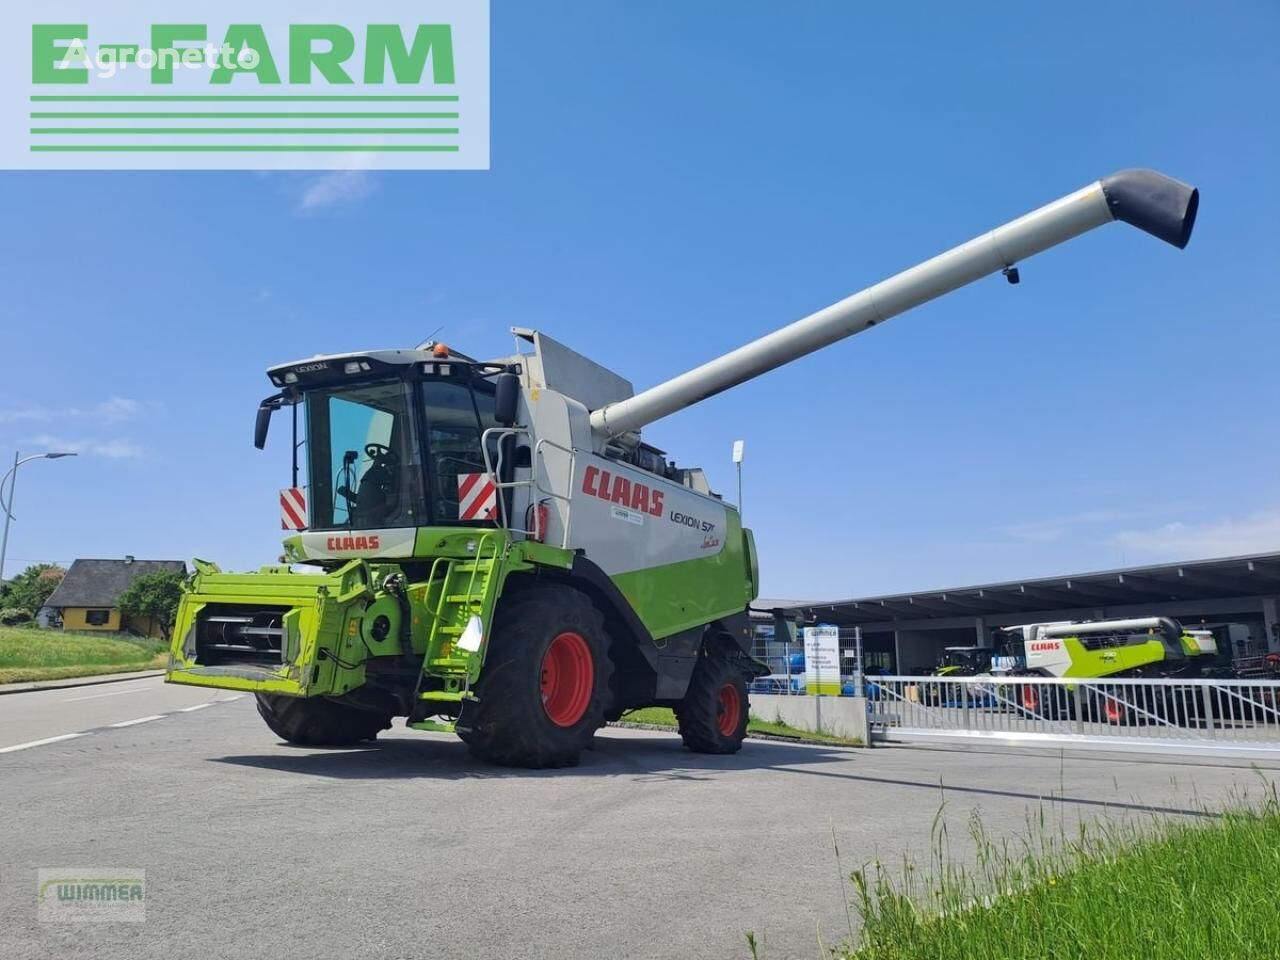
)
(477, 497)
(293, 509)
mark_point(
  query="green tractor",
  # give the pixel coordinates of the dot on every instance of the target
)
(957, 662)
(964, 662)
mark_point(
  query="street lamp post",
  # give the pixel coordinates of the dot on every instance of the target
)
(739, 448)
(6, 503)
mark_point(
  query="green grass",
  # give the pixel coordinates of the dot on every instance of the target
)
(664, 717)
(658, 716)
(28, 654)
(1168, 889)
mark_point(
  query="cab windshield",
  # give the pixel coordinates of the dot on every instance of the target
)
(967, 659)
(365, 468)
(392, 453)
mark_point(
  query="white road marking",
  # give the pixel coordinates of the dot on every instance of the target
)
(40, 743)
(124, 723)
(130, 723)
(99, 696)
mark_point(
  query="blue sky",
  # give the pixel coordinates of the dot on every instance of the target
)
(669, 180)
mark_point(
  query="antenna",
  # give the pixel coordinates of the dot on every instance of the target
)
(431, 339)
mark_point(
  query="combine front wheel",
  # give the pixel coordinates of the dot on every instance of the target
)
(540, 695)
(1045, 702)
(319, 722)
(1110, 706)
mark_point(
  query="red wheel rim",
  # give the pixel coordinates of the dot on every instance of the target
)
(728, 709)
(1112, 710)
(1030, 698)
(568, 677)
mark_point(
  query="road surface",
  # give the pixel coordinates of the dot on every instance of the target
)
(411, 849)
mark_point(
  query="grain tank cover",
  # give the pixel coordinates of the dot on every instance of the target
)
(553, 366)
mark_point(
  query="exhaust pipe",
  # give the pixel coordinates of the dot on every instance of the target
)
(1159, 205)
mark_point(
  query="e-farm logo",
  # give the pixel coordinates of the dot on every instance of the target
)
(302, 85)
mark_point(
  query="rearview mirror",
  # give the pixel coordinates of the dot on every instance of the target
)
(506, 398)
(261, 424)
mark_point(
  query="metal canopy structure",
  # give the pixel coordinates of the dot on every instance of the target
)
(1194, 588)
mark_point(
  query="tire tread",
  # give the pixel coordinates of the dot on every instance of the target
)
(696, 714)
(506, 725)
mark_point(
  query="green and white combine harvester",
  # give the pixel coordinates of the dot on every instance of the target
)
(1139, 647)
(495, 551)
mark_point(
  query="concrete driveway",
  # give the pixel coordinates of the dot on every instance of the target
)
(411, 849)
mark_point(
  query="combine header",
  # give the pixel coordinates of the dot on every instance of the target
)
(495, 550)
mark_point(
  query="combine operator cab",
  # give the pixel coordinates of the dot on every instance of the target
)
(394, 448)
(394, 442)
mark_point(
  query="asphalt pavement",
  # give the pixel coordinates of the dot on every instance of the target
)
(411, 849)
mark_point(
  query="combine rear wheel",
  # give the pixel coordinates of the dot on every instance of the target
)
(319, 722)
(540, 696)
(713, 714)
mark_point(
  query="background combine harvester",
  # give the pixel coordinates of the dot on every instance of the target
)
(1154, 647)
(503, 556)
(1135, 649)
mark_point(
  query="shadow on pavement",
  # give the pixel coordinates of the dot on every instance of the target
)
(1049, 798)
(1079, 753)
(638, 758)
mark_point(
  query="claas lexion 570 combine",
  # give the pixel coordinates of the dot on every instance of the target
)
(495, 551)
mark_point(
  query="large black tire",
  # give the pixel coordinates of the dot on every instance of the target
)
(1109, 705)
(540, 697)
(713, 714)
(319, 722)
(1044, 701)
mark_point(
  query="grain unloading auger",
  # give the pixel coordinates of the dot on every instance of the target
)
(496, 551)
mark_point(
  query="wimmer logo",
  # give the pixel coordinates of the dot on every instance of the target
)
(401, 85)
(91, 895)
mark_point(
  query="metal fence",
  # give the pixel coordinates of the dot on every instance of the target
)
(1222, 717)
(786, 674)
(787, 669)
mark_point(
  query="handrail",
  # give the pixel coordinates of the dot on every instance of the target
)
(533, 483)
(568, 500)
